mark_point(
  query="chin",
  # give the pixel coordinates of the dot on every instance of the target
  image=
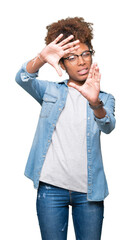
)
(82, 78)
(81, 82)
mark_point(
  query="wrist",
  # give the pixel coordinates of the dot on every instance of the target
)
(41, 57)
(96, 105)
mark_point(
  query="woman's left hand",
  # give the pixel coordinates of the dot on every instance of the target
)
(91, 87)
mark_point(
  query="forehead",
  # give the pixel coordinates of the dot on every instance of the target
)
(83, 47)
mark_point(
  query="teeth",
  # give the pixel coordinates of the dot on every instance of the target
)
(83, 71)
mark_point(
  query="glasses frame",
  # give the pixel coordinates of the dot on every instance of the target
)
(67, 58)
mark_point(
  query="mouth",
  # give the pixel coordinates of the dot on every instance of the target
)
(83, 71)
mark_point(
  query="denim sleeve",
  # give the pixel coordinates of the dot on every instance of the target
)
(107, 124)
(29, 82)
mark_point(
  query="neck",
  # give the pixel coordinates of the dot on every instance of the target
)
(80, 83)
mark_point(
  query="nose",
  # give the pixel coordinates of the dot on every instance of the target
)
(80, 61)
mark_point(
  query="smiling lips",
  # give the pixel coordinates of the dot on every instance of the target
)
(83, 71)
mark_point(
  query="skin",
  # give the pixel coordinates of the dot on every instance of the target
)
(52, 54)
(87, 84)
(72, 69)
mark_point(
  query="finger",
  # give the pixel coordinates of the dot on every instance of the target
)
(99, 77)
(70, 45)
(91, 71)
(66, 40)
(58, 38)
(58, 70)
(71, 49)
(96, 72)
(71, 84)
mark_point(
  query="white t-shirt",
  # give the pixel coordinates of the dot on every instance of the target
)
(65, 164)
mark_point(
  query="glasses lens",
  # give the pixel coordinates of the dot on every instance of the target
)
(86, 55)
(72, 58)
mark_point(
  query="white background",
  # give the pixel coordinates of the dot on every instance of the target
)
(23, 28)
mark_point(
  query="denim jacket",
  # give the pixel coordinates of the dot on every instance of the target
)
(52, 97)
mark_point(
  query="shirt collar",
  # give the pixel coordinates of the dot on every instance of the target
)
(64, 81)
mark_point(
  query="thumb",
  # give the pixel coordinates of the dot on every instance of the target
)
(74, 85)
(58, 70)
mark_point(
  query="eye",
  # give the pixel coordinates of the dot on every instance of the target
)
(86, 54)
(72, 57)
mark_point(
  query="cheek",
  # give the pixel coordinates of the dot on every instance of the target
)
(71, 71)
(90, 62)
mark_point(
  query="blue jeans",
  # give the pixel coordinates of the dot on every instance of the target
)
(52, 206)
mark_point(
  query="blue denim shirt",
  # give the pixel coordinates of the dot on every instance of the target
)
(52, 97)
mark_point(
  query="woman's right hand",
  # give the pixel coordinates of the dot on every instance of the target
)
(54, 51)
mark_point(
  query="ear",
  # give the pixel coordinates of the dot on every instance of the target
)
(62, 65)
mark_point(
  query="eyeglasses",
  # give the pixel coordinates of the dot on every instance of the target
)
(86, 56)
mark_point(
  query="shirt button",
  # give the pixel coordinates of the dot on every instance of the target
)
(89, 150)
(53, 125)
(88, 134)
(48, 140)
(88, 118)
(59, 109)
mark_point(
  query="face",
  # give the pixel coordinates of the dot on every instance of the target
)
(78, 71)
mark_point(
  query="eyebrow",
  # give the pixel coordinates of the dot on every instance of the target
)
(72, 53)
(81, 53)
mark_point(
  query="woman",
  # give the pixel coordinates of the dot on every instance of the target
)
(65, 161)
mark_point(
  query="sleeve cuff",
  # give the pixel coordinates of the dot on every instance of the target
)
(25, 76)
(103, 120)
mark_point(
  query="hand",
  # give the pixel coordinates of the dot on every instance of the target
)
(54, 51)
(91, 87)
